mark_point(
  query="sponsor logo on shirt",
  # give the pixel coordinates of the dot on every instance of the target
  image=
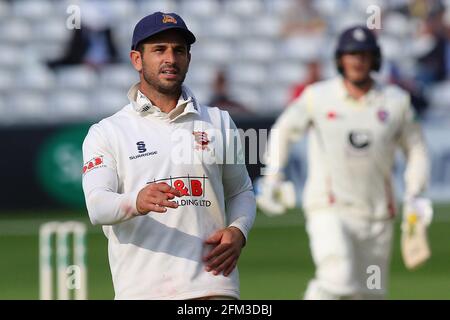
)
(189, 186)
(137, 156)
(141, 146)
(332, 115)
(142, 151)
(202, 140)
(96, 162)
(359, 139)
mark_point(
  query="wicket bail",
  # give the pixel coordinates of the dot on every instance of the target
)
(62, 230)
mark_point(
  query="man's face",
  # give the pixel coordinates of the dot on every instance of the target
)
(165, 61)
(357, 65)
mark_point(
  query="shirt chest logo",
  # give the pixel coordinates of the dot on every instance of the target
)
(360, 139)
(142, 151)
(141, 146)
(331, 115)
(382, 115)
(201, 140)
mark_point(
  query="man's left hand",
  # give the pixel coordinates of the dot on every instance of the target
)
(227, 248)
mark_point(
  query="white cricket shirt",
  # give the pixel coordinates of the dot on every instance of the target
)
(195, 149)
(351, 147)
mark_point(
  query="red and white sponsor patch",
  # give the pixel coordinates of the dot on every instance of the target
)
(187, 185)
(93, 163)
(193, 187)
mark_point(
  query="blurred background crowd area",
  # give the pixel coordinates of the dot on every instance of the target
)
(252, 56)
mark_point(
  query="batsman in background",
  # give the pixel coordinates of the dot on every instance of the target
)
(355, 125)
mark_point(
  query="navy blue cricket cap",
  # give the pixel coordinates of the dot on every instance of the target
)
(357, 38)
(158, 22)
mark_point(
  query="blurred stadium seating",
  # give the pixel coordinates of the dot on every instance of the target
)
(243, 36)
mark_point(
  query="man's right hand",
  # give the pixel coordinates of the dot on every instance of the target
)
(155, 198)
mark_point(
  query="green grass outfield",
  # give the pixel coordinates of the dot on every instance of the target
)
(276, 264)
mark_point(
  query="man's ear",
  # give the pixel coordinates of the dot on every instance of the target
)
(136, 60)
(189, 59)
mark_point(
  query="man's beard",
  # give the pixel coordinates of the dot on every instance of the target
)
(171, 89)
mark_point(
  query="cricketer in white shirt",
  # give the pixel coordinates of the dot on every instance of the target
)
(195, 149)
(348, 198)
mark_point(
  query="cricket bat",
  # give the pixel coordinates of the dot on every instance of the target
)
(414, 243)
(414, 239)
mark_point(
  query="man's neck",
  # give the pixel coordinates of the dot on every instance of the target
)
(164, 102)
(358, 89)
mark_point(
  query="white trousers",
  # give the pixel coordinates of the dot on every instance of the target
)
(351, 255)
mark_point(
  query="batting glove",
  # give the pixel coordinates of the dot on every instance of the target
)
(275, 197)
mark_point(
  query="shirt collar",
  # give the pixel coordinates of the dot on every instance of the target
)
(142, 105)
(369, 96)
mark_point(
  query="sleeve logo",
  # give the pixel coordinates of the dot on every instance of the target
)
(93, 163)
